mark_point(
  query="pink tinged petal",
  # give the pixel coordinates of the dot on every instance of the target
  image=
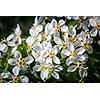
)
(12, 61)
(72, 68)
(44, 74)
(30, 40)
(24, 79)
(92, 22)
(80, 51)
(29, 60)
(16, 70)
(17, 55)
(83, 72)
(55, 75)
(10, 37)
(57, 40)
(56, 60)
(71, 46)
(61, 22)
(64, 28)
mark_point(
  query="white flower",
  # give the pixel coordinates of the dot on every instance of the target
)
(82, 69)
(17, 38)
(58, 27)
(72, 53)
(46, 69)
(34, 34)
(19, 62)
(95, 23)
(84, 42)
(52, 55)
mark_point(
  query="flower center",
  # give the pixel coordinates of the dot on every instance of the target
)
(98, 26)
(15, 78)
(73, 39)
(44, 37)
(50, 68)
(79, 65)
(58, 28)
(51, 54)
(64, 45)
(43, 67)
(73, 53)
(21, 62)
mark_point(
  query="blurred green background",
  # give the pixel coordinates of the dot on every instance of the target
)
(8, 24)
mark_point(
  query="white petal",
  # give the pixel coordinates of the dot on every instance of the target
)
(61, 22)
(39, 28)
(83, 58)
(10, 37)
(49, 60)
(11, 44)
(99, 42)
(17, 55)
(92, 22)
(80, 51)
(56, 60)
(2, 46)
(71, 46)
(89, 49)
(55, 75)
(30, 40)
(17, 30)
(16, 70)
(57, 40)
(54, 22)
(65, 53)
(64, 28)
(93, 32)
(69, 60)
(19, 40)
(29, 60)
(13, 50)
(44, 74)
(4, 49)
(72, 68)
(24, 79)
(36, 67)
(31, 32)
(12, 61)
(5, 74)
(58, 68)
(83, 72)
(55, 50)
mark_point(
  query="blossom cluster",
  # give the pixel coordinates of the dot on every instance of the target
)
(49, 48)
